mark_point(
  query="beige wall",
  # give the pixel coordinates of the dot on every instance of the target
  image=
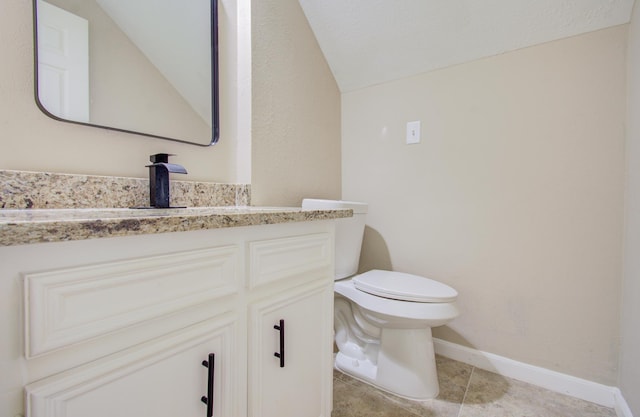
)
(31, 141)
(296, 145)
(514, 197)
(630, 334)
(295, 110)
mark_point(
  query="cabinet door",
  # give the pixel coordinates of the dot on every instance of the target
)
(303, 386)
(163, 377)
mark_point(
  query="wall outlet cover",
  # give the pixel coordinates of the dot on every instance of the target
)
(413, 132)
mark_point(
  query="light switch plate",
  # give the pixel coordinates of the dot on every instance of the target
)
(413, 132)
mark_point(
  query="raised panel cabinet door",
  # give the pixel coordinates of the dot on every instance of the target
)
(292, 377)
(165, 377)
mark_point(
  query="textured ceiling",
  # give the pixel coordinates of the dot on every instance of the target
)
(368, 42)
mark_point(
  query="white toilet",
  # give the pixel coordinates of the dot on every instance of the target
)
(383, 319)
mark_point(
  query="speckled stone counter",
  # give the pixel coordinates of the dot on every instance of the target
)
(37, 207)
(21, 227)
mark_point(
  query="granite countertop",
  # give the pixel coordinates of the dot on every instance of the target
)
(26, 226)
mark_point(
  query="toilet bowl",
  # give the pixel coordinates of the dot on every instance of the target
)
(383, 319)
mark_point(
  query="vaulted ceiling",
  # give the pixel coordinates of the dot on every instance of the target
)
(368, 42)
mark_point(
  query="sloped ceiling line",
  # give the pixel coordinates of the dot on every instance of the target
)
(368, 42)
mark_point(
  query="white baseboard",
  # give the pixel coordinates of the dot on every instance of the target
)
(545, 378)
(621, 406)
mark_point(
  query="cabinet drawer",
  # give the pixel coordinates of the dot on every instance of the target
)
(165, 378)
(275, 259)
(67, 306)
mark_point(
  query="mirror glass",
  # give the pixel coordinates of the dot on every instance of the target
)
(141, 66)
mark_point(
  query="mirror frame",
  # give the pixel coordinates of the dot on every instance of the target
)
(215, 87)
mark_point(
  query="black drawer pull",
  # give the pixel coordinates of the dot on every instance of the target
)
(208, 400)
(280, 354)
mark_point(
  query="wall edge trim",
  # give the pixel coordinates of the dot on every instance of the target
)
(594, 392)
(621, 406)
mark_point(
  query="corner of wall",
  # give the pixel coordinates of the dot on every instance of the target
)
(629, 364)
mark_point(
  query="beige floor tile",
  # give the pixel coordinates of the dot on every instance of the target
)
(357, 400)
(454, 377)
(493, 395)
(484, 394)
(429, 408)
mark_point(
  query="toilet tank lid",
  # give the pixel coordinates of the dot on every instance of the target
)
(316, 204)
(405, 287)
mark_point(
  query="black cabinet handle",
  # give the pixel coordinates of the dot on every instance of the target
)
(208, 400)
(280, 354)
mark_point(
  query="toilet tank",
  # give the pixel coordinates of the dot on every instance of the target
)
(349, 233)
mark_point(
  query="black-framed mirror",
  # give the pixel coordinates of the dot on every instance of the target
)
(147, 67)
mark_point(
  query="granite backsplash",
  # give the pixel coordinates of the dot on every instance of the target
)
(42, 190)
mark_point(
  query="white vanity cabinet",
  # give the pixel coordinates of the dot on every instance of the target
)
(165, 377)
(290, 330)
(121, 326)
(295, 382)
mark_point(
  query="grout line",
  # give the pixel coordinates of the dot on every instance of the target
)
(466, 391)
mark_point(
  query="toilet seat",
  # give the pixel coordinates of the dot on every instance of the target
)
(403, 314)
(404, 287)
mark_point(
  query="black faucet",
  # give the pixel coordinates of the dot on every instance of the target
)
(159, 179)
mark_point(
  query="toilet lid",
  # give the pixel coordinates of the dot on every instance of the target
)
(405, 287)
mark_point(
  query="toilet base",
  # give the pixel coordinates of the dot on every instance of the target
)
(405, 365)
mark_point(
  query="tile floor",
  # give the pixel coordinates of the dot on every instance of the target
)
(465, 391)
